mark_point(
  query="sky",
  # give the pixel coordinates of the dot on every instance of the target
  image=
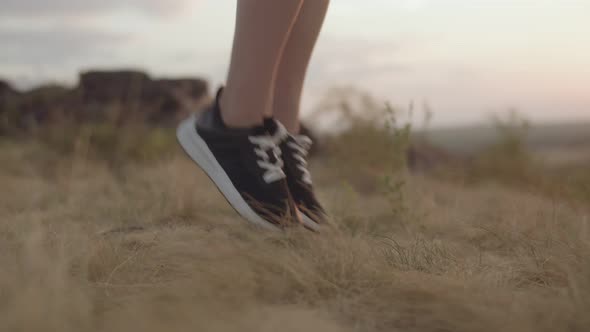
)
(464, 58)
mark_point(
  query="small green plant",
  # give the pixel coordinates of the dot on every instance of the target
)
(394, 181)
(508, 160)
(374, 148)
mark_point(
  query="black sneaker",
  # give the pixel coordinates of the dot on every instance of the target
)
(294, 151)
(244, 164)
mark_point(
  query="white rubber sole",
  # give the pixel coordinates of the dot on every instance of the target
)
(200, 153)
(309, 223)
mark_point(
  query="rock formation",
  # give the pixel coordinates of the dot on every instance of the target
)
(119, 96)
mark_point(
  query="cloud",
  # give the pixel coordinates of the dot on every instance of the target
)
(35, 8)
(338, 60)
(53, 46)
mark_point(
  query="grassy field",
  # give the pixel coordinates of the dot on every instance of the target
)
(89, 243)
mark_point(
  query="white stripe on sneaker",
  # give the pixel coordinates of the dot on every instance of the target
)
(307, 221)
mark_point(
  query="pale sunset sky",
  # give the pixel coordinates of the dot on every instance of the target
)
(466, 58)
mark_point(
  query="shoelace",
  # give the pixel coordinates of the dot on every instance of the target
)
(300, 146)
(273, 171)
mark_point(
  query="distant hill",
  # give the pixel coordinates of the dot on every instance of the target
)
(471, 138)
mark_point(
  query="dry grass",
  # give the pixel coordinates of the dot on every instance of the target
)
(153, 247)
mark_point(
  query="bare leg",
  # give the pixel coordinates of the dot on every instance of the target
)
(262, 31)
(292, 70)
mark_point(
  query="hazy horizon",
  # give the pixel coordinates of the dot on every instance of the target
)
(464, 58)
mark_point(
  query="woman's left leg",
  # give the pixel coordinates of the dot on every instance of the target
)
(292, 69)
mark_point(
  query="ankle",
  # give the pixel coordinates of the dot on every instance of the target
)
(233, 120)
(234, 117)
(293, 127)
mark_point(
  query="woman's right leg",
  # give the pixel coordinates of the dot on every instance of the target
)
(262, 31)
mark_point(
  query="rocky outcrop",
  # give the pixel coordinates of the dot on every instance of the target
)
(113, 86)
(5, 88)
(119, 96)
(44, 104)
(133, 95)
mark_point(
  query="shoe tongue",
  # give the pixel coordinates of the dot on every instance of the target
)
(270, 125)
(275, 129)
